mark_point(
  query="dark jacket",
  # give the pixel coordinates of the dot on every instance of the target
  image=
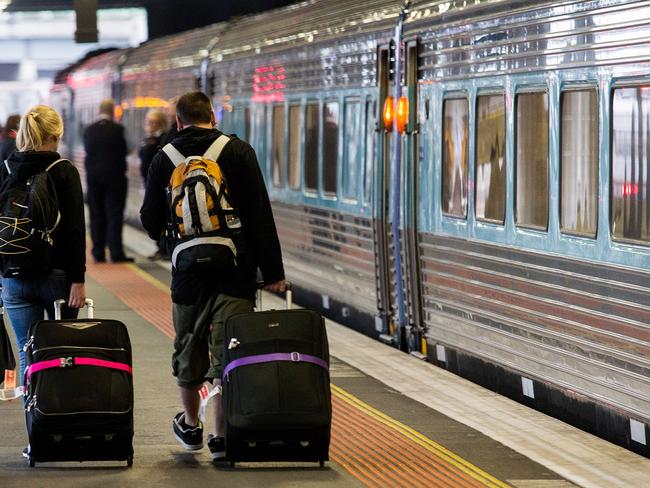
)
(106, 150)
(239, 165)
(69, 253)
(148, 150)
(7, 146)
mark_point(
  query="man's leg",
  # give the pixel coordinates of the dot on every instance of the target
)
(191, 402)
(115, 203)
(96, 196)
(225, 306)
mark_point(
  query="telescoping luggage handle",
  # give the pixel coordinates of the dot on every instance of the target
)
(58, 306)
(288, 295)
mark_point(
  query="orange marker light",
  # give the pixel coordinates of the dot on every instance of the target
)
(389, 106)
(402, 114)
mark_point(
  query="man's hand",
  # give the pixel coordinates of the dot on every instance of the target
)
(277, 287)
(77, 295)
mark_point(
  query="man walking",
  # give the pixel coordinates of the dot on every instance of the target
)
(106, 150)
(202, 301)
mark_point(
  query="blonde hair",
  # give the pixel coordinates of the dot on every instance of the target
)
(38, 123)
(159, 119)
(107, 107)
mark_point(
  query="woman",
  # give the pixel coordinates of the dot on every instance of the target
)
(26, 298)
(9, 136)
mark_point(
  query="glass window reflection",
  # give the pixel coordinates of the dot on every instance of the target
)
(330, 146)
(311, 147)
(351, 148)
(294, 147)
(630, 217)
(278, 148)
(532, 160)
(454, 157)
(490, 158)
(579, 164)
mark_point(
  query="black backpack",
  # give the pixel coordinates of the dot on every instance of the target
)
(29, 213)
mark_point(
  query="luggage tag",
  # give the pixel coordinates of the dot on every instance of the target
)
(206, 392)
(10, 391)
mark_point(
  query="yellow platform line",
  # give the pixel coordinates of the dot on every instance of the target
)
(423, 441)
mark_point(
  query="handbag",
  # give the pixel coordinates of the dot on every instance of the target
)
(7, 359)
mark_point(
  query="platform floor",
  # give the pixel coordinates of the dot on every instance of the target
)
(397, 421)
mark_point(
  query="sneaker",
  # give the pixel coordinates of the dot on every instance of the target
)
(217, 446)
(191, 438)
(26, 452)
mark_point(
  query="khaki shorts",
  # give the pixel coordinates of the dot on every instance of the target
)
(198, 346)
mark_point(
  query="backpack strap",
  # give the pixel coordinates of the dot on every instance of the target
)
(173, 154)
(46, 169)
(53, 164)
(214, 151)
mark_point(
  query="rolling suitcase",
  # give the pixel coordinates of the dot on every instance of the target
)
(276, 391)
(79, 390)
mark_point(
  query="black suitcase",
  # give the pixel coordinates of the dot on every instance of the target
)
(276, 387)
(79, 396)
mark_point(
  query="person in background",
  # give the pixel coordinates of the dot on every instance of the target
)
(173, 129)
(202, 301)
(9, 136)
(26, 298)
(106, 167)
(155, 125)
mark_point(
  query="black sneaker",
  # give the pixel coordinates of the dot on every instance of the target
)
(26, 452)
(191, 438)
(217, 446)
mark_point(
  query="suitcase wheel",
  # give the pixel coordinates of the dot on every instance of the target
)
(129, 461)
(322, 463)
(232, 464)
(32, 463)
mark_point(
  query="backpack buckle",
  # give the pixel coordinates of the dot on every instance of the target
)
(66, 362)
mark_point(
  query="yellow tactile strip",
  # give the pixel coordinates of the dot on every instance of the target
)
(376, 449)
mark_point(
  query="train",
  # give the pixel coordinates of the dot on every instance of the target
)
(465, 180)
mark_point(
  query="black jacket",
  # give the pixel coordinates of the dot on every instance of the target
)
(148, 150)
(106, 150)
(7, 146)
(70, 235)
(239, 165)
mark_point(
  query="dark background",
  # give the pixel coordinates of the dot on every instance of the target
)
(166, 16)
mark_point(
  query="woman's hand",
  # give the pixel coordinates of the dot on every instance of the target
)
(77, 295)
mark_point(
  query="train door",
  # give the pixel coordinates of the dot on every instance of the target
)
(381, 228)
(414, 330)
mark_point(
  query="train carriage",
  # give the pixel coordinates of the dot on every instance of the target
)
(467, 180)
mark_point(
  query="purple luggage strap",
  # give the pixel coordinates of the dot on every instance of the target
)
(295, 357)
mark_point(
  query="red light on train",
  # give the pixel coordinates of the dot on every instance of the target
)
(402, 114)
(389, 113)
(630, 189)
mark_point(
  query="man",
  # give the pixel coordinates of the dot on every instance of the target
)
(106, 150)
(201, 301)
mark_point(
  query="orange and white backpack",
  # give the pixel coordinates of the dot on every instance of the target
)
(204, 221)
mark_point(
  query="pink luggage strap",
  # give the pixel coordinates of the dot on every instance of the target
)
(70, 361)
(295, 357)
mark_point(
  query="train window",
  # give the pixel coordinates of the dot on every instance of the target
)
(247, 124)
(311, 147)
(630, 218)
(454, 156)
(294, 146)
(369, 137)
(330, 146)
(278, 147)
(351, 148)
(491, 158)
(532, 160)
(579, 163)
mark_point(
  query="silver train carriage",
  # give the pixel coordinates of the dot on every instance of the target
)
(467, 180)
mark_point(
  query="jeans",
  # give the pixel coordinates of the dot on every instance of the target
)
(26, 299)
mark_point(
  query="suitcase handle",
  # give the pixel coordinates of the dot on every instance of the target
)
(288, 294)
(58, 305)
